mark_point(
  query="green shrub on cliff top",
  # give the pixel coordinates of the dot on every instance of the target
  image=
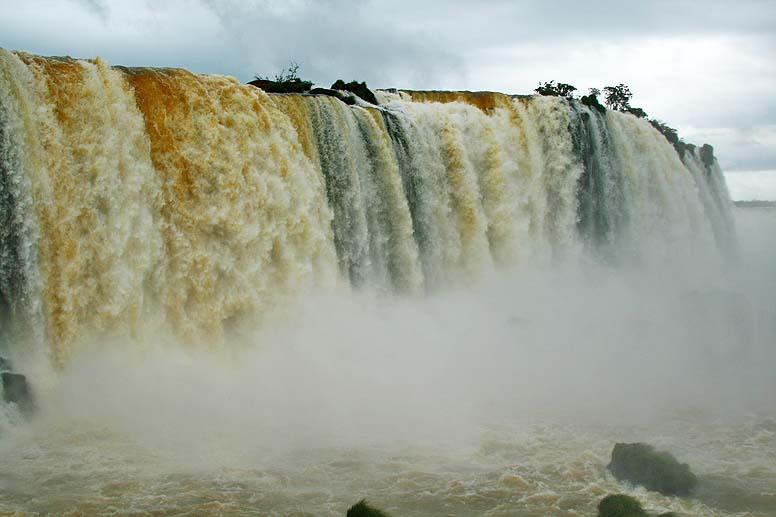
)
(287, 81)
(556, 89)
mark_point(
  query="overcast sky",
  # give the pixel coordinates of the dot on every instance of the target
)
(707, 67)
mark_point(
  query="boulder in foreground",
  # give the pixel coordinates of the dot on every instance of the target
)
(362, 509)
(620, 505)
(641, 464)
(17, 391)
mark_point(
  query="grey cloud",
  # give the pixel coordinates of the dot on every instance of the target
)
(508, 22)
(332, 39)
(748, 148)
(701, 65)
(98, 7)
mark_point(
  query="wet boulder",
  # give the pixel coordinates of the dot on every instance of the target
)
(364, 509)
(347, 99)
(359, 89)
(294, 85)
(620, 505)
(641, 464)
(17, 391)
(591, 101)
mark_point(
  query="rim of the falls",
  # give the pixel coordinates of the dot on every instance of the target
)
(146, 202)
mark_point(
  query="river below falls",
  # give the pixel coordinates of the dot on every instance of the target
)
(483, 403)
(533, 466)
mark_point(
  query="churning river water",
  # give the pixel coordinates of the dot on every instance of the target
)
(480, 402)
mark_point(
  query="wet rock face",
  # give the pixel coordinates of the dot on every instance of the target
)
(359, 89)
(707, 155)
(17, 391)
(592, 102)
(641, 464)
(334, 93)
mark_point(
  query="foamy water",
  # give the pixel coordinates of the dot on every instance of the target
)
(527, 467)
(472, 402)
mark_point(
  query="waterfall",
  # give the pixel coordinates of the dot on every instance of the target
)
(136, 202)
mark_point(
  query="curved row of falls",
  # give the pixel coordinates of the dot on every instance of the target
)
(139, 200)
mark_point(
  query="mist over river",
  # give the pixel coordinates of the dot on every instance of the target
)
(505, 399)
(234, 303)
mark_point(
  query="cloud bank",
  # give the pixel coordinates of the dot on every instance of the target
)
(707, 69)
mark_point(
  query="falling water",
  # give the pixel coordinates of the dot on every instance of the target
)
(142, 200)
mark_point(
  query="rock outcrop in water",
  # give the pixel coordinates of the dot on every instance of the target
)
(363, 509)
(707, 156)
(270, 86)
(15, 389)
(591, 101)
(356, 88)
(620, 505)
(641, 464)
(350, 101)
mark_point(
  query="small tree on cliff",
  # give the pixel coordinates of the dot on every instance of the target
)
(289, 75)
(556, 89)
(617, 97)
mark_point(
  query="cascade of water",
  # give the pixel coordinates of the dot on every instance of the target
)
(660, 197)
(21, 285)
(163, 198)
(392, 244)
(715, 197)
(601, 196)
(135, 201)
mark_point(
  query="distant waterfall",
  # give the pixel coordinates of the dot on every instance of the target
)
(135, 201)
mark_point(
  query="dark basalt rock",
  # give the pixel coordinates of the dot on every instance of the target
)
(591, 101)
(17, 391)
(620, 505)
(359, 89)
(363, 509)
(334, 93)
(641, 464)
(638, 112)
(707, 155)
(293, 86)
(672, 136)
